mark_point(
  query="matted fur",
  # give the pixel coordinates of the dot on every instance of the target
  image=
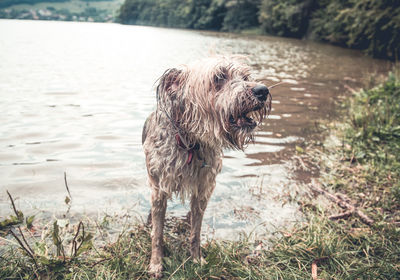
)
(202, 108)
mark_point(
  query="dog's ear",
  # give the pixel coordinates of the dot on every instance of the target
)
(167, 92)
(169, 81)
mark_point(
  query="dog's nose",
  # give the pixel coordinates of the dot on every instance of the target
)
(261, 92)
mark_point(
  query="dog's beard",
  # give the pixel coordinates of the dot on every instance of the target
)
(248, 120)
(243, 123)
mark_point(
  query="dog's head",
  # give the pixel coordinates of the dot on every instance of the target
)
(214, 101)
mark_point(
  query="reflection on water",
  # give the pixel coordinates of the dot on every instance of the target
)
(74, 97)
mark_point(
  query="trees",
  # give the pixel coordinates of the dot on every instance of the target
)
(170, 13)
(289, 18)
(228, 15)
(374, 26)
(241, 14)
(370, 25)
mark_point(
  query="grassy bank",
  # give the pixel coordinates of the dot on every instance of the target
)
(351, 230)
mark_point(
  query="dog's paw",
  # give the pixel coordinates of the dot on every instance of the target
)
(155, 270)
(200, 261)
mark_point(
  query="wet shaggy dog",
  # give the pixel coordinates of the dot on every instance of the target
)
(203, 108)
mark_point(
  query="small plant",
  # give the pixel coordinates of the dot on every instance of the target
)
(12, 220)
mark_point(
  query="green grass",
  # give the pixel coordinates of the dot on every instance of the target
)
(374, 138)
(338, 251)
(363, 164)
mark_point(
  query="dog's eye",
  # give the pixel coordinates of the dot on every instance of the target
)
(246, 78)
(219, 80)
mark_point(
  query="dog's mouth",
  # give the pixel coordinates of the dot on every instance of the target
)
(249, 119)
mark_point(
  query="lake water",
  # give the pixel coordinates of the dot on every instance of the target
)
(74, 97)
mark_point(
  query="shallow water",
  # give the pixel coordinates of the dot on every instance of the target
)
(74, 97)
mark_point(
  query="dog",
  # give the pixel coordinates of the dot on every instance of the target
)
(202, 108)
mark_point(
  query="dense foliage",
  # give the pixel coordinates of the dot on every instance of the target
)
(289, 18)
(371, 25)
(196, 14)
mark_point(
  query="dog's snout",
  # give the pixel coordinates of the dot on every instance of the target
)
(261, 92)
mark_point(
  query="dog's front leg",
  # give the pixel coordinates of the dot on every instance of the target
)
(198, 205)
(158, 208)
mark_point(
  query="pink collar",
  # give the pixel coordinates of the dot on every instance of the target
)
(190, 150)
